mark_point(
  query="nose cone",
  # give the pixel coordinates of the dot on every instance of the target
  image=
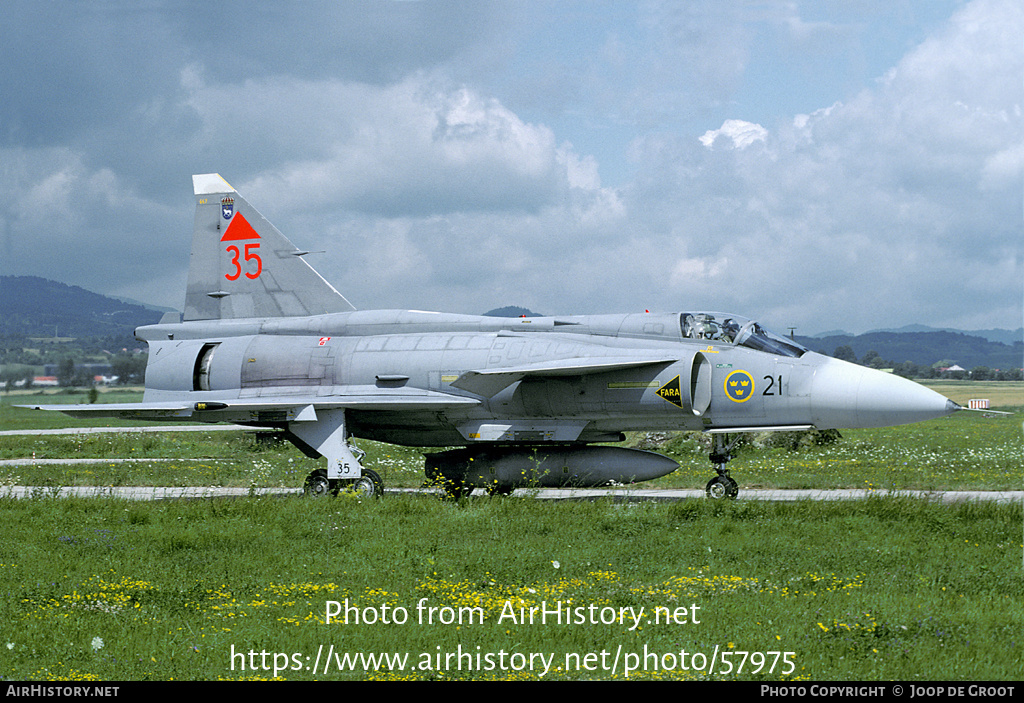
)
(845, 395)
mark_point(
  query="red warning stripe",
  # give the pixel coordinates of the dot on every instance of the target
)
(239, 229)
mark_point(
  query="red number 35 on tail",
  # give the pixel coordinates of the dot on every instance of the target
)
(249, 255)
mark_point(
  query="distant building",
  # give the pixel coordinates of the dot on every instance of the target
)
(84, 369)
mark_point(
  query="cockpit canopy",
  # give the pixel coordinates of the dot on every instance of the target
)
(726, 328)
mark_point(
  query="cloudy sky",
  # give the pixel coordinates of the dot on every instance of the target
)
(816, 165)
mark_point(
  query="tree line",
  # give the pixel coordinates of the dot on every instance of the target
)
(129, 370)
(940, 369)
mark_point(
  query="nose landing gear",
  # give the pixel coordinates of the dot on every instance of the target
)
(722, 485)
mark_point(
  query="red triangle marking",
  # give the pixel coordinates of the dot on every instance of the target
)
(239, 229)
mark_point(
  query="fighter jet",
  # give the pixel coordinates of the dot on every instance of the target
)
(265, 341)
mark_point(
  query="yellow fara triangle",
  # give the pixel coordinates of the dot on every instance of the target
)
(670, 392)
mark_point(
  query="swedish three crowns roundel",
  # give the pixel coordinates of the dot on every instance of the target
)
(739, 386)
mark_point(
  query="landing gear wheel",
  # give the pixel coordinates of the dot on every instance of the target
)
(721, 487)
(317, 484)
(369, 485)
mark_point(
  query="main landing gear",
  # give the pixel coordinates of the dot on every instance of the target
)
(722, 485)
(324, 434)
(369, 485)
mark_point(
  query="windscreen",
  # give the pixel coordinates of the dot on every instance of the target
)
(724, 328)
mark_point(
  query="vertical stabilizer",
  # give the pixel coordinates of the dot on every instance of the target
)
(242, 266)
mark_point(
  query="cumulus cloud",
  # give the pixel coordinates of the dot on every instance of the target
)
(421, 192)
(741, 134)
(415, 147)
(440, 164)
(904, 198)
(67, 221)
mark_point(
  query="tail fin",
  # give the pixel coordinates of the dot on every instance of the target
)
(242, 266)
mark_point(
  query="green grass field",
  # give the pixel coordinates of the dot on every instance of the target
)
(965, 451)
(883, 588)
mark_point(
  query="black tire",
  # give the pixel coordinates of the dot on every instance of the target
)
(721, 487)
(318, 485)
(369, 484)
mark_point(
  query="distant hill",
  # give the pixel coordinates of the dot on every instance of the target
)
(36, 307)
(1003, 336)
(511, 311)
(993, 335)
(925, 348)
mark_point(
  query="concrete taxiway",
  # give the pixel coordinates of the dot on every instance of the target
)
(616, 494)
(122, 430)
